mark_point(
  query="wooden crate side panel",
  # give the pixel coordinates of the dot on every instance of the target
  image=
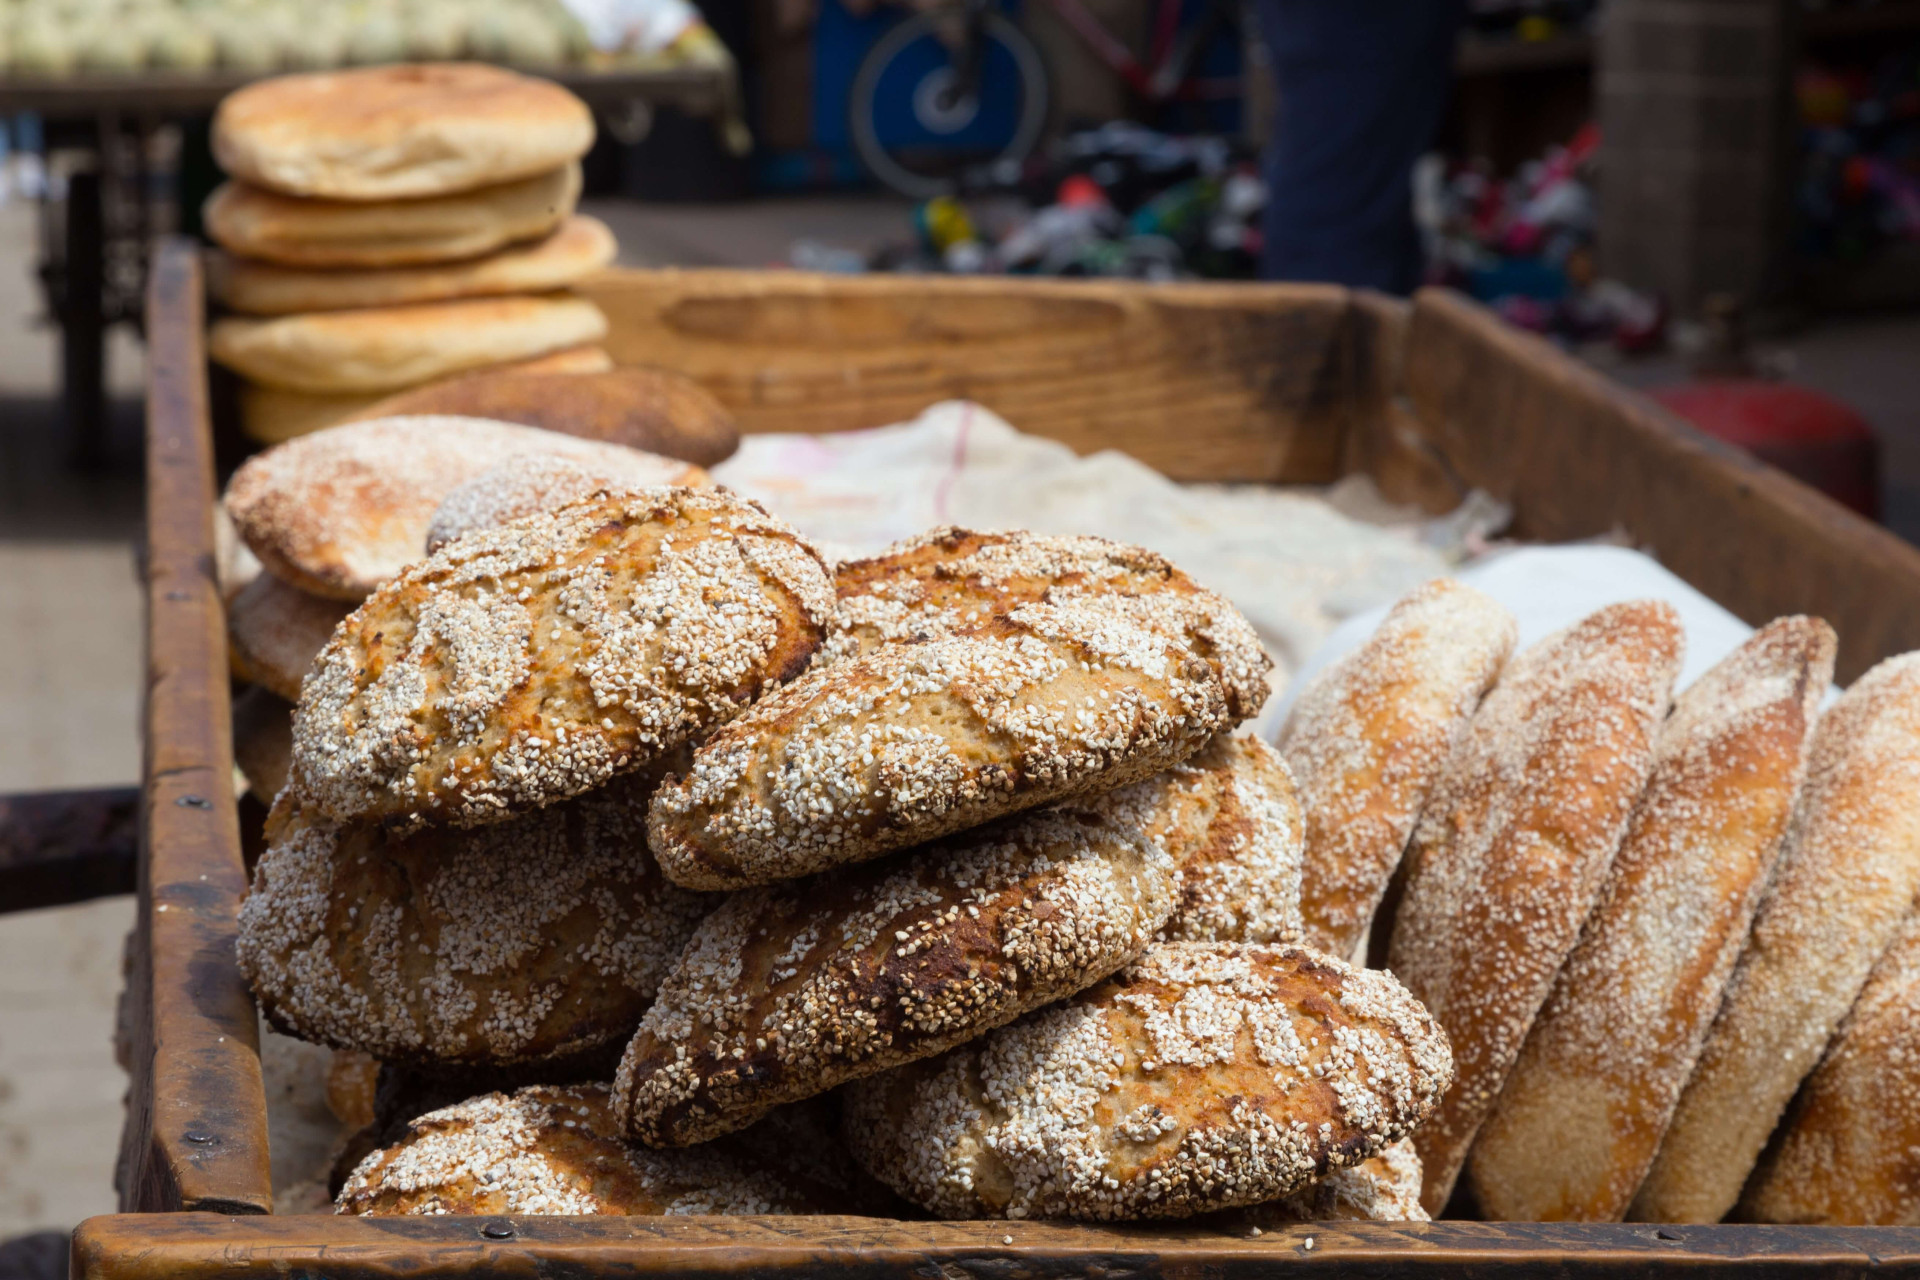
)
(1384, 439)
(1203, 382)
(196, 1120)
(205, 1247)
(1580, 456)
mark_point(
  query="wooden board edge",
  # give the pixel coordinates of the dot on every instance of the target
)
(62, 847)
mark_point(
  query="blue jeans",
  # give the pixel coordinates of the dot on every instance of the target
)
(1362, 86)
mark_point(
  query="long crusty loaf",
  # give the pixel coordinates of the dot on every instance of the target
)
(1847, 876)
(1514, 843)
(1583, 1111)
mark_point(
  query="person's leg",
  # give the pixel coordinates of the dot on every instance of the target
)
(1361, 86)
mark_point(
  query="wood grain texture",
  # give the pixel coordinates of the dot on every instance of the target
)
(206, 1247)
(196, 1115)
(59, 847)
(1201, 381)
(1578, 455)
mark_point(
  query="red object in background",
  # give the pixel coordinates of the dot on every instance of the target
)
(1811, 437)
(1079, 191)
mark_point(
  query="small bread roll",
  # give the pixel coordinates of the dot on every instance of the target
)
(1515, 842)
(1847, 878)
(1582, 1114)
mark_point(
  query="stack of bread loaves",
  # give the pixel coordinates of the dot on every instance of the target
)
(388, 226)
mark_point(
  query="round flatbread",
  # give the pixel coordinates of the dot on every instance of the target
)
(398, 132)
(274, 630)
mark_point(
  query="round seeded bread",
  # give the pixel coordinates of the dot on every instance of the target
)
(576, 249)
(532, 662)
(916, 740)
(398, 132)
(388, 348)
(948, 580)
(787, 991)
(278, 242)
(275, 629)
(555, 1150)
(340, 511)
(1205, 1075)
(528, 484)
(532, 939)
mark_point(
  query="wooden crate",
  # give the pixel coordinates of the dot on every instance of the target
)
(1207, 383)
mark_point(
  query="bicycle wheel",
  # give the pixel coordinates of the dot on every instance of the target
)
(916, 134)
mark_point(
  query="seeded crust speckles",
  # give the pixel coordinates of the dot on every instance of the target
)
(914, 741)
(1229, 819)
(337, 512)
(1366, 740)
(536, 482)
(787, 991)
(1514, 843)
(528, 663)
(949, 580)
(1204, 1076)
(1381, 1188)
(527, 940)
(1848, 874)
(1849, 1152)
(1582, 1113)
(556, 1150)
(274, 631)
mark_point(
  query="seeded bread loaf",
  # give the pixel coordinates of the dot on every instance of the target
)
(533, 483)
(1382, 1188)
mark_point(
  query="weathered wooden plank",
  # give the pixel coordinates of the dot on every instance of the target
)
(196, 1116)
(58, 847)
(1204, 382)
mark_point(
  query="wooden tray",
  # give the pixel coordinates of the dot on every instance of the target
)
(1205, 382)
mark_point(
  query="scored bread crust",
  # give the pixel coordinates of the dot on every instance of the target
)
(576, 248)
(527, 940)
(1849, 1152)
(274, 630)
(532, 662)
(276, 237)
(1583, 1110)
(340, 511)
(914, 741)
(949, 580)
(1205, 1075)
(398, 132)
(1229, 819)
(385, 349)
(1514, 843)
(555, 1149)
(1366, 741)
(525, 485)
(1848, 874)
(791, 989)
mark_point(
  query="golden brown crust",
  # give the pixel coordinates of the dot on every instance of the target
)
(650, 409)
(556, 1150)
(1229, 819)
(1514, 843)
(340, 511)
(398, 132)
(789, 990)
(1847, 876)
(1203, 1076)
(532, 662)
(949, 580)
(263, 741)
(271, 233)
(1849, 1153)
(1381, 1188)
(274, 630)
(914, 741)
(526, 485)
(1583, 1110)
(528, 940)
(1366, 741)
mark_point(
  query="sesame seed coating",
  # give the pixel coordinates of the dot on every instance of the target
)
(1381, 1188)
(531, 662)
(339, 511)
(274, 630)
(1229, 819)
(539, 482)
(1205, 1075)
(556, 1150)
(1514, 843)
(790, 989)
(1366, 741)
(913, 741)
(526, 940)
(948, 580)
